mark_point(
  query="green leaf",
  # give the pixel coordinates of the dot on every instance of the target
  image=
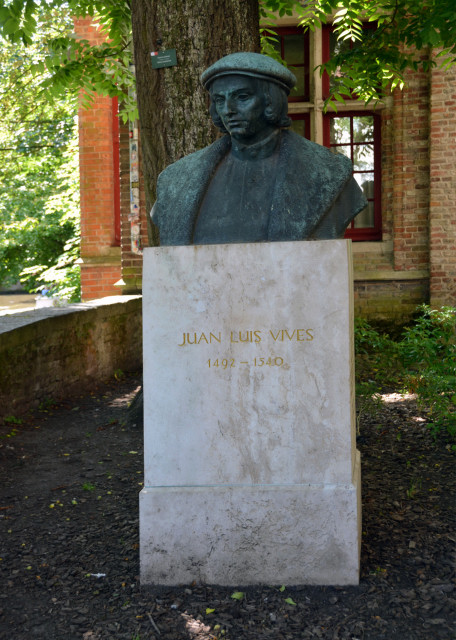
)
(433, 37)
(4, 14)
(11, 26)
(238, 595)
(290, 601)
(339, 98)
(208, 611)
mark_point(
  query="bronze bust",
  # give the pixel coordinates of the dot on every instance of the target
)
(259, 182)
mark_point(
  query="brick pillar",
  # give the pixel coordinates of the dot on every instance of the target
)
(100, 250)
(442, 229)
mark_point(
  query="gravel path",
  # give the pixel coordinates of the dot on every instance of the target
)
(69, 482)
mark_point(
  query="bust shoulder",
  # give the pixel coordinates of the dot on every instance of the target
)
(188, 165)
(179, 190)
(314, 155)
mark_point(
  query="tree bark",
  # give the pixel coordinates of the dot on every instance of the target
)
(173, 106)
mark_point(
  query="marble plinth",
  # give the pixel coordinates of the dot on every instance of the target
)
(251, 470)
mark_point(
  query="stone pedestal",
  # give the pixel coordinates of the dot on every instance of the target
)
(251, 470)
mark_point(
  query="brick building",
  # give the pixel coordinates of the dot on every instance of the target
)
(404, 155)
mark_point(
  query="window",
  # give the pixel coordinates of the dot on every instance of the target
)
(353, 131)
(330, 46)
(356, 135)
(293, 46)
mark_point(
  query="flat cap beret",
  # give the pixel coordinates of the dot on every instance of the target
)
(250, 64)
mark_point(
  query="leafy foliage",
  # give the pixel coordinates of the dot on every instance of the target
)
(39, 190)
(56, 238)
(374, 61)
(422, 361)
(70, 64)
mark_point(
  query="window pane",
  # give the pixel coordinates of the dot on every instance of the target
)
(335, 84)
(366, 182)
(293, 47)
(337, 46)
(353, 136)
(363, 157)
(363, 128)
(277, 45)
(299, 127)
(365, 218)
(339, 131)
(299, 89)
(343, 149)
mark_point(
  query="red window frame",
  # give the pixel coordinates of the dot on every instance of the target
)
(326, 53)
(362, 233)
(288, 31)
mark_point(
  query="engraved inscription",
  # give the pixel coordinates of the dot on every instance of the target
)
(246, 336)
(199, 338)
(300, 335)
(229, 363)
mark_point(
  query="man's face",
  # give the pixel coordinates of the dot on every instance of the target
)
(240, 106)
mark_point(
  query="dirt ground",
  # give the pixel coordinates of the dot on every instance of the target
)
(69, 561)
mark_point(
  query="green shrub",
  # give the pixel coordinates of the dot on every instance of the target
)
(377, 359)
(422, 361)
(428, 354)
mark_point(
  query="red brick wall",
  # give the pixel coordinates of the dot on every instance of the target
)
(387, 171)
(100, 268)
(392, 282)
(442, 229)
(410, 168)
(418, 201)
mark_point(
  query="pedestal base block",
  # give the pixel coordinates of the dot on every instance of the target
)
(251, 535)
(251, 471)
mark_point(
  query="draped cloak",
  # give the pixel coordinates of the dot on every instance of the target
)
(314, 197)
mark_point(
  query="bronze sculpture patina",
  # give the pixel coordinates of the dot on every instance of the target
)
(260, 182)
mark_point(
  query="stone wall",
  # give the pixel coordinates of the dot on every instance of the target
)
(56, 353)
(392, 302)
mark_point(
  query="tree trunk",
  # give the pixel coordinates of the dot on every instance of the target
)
(173, 106)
